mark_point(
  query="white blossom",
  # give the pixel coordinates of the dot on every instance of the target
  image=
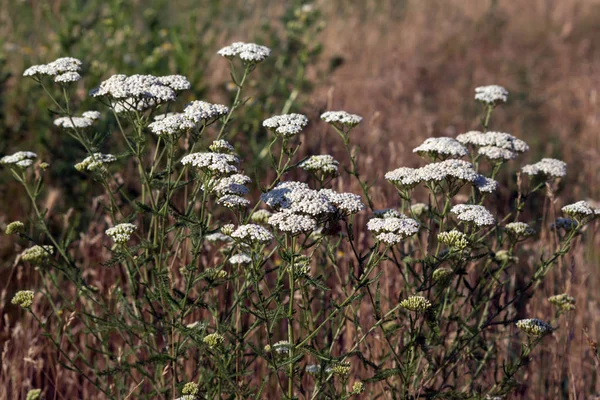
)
(73, 122)
(67, 77)
(92, 163)
(135, 92)
(175, 82)
(324, 164)
(199, 110)
(479, 215)
(442, 147)
(171, 125)
(93, 115)
(21, 159)
(57, 67)
(491, 94)
(346, 203)
(287, 221)
(252, 233)
(341, 118)
(221, 146)
(247, 52)
(241, 258)
(233, 201)
(121, 233)
(393, 230)
(549, 167)
(212, 162)
(502, 140)
(534, 327)
(580, 209)
(520, 229)
(496, 153)
(286, 125)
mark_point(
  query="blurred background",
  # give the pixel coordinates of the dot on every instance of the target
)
(408, 67)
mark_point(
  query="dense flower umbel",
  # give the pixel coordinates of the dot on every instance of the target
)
(171, 125)
(14, 228)
(563, 301)
(198, 111)
(345, 203)
(449, 170)
(393, 230)
(250, 53)
(479, 215)
(454, 239)
(222, 146)
(324, 164)
(358, 388)
(77, 122)
(416, 303)
(341, 119)
(20, 159)
(213, 340)
(67, 77)
(491, 94)
(240, 259)
(217, 163)
(441, 147)
(496, 153)
(190, 388)
(290, 222)
(121, 233)
(59, 66)
(534, 327)
(580, 210)
(501, 140)
(96, 162)
(286, 125)
(297, 197)
(23, 298)
(520, 229)
(233, 201)
(548, 167)
(341, 369)
(252, 234)
(261, 216)
(37, 254)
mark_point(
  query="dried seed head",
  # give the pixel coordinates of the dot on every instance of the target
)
(534, 327)
(23, 298)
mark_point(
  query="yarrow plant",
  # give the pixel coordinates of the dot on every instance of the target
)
(231, 284)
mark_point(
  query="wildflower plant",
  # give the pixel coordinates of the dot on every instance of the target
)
(224, 279)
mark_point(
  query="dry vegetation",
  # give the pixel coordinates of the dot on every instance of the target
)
(409, 68)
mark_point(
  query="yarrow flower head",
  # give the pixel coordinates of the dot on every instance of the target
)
(563, 301)
(252, 234)
(15, 228)
(581, 210)
(340, 369)
(86, 120)
(171, 125)
(345, 203)
(23, 298)
(215, 163)
(416, 303)
(59, 66)
(358, 388)
(497, 153)
(221, 146)
(240, 258)
(520, 229)
(249, 53)
(190, 388)
(479, 215)
(324, 164)
(534, 327)
(213, 340)
(442, 148)
(456, 171)
(549, 168)
(393, 230)
(290, 222)
(286, 125)
(93, 115)
(297, 197)
(341, 119)
(500, 140)
(175, 82)
(387, 213)
(36, 255)
(454, 239)
(95, 162)
(20, 159)
(233, 201)
(491, 94)
(121, 233)
(67, 77)
(261, 216)
(201, 111)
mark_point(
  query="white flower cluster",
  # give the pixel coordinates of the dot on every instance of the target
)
(393, 230)
(233, 201)
(387, 213)
(491, 94)
(251, 234)
(492, 142)
(454, 239)
(221, 146)
(520, 229)
(325, 164)
(345, 203)
(549, 167)
(292, 223)
(286, 125)
(171, 125)
(215, 163)
(341, 119)
(454, 170)
(21, 159)
(139, 92)
(37, 254)
(534, 327)
(441, 147)
(240, 258)
(416, 304)
(581, 210)
(85, 121)
(479, 215)
(93, 163)
(199, 110)
(121, 233)
(233, 184)
(217, 237)
(248, 52)
(63, 70)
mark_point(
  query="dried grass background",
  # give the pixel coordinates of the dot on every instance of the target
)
(409, 68)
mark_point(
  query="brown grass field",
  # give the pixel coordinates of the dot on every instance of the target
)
(409, 68)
